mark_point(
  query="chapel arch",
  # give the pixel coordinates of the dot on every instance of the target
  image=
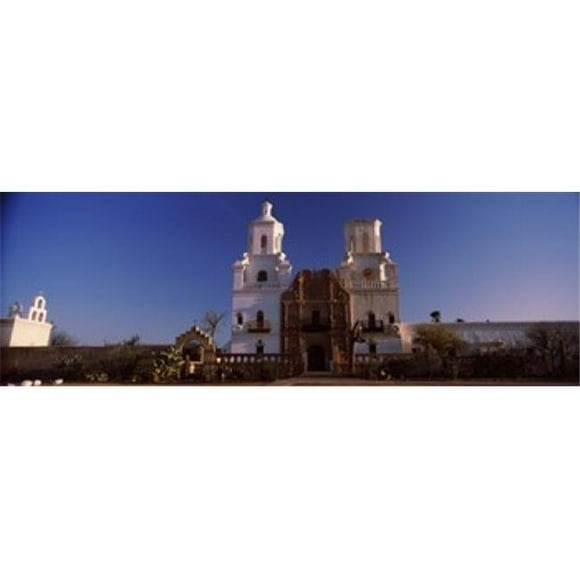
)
(194, 350)
(196, 337)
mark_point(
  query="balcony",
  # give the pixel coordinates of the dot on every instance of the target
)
(377, 326)
(259, 326)
(315, 327)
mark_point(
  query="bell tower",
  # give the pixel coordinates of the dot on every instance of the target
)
(363, 236)
(260, 277)
(266, 233)
(32, 330)
(370, 276)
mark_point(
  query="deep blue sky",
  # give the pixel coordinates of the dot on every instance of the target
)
(114, 265)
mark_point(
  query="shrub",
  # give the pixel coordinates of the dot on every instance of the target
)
(167, 365)
(71, 367)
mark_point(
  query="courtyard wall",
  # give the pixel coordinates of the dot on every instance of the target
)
(75, 363)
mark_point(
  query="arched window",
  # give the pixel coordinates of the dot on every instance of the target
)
(39, 302)
(240, 319)
(262, 276)
(365, 242)
(391, 318)
(34, 315)
(263, 243)
(372, 320)
(372, 347)
(260, 319)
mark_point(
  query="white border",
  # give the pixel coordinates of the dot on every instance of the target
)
(313, 96)
(307, 96)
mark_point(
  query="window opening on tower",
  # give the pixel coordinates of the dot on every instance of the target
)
(365, 242)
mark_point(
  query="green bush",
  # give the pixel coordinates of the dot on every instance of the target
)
(167, 365)
(71, 367)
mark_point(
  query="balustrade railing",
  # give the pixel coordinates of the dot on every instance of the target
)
(366, 285)
(253, 367)
(365, 359)
(230, 358)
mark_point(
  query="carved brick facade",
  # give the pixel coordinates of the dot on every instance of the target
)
(315, 320)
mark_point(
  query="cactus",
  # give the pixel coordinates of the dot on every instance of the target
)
(167, 365)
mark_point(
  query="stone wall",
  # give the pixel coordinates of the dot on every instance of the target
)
(74, 363)
(126, 364)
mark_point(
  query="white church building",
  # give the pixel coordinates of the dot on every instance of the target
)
(32, 330)
(264, 273)
(367, 274)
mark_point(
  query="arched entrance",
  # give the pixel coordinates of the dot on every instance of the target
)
(198, 349)
(193, 349)
(316, 358)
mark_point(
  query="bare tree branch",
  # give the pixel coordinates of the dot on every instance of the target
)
(211, 321)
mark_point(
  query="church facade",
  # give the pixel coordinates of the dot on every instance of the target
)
(316, 314)
(316, 320)
(327, 316)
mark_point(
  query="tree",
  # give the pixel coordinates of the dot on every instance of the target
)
(556, 343)
(435, 316)
(135, 340)
(441, 341)
(62, 338)
(211, 321)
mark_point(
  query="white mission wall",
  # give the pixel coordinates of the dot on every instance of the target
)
(34, 330)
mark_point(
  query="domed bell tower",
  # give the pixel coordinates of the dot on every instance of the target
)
(370, 276)
(260, 276)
